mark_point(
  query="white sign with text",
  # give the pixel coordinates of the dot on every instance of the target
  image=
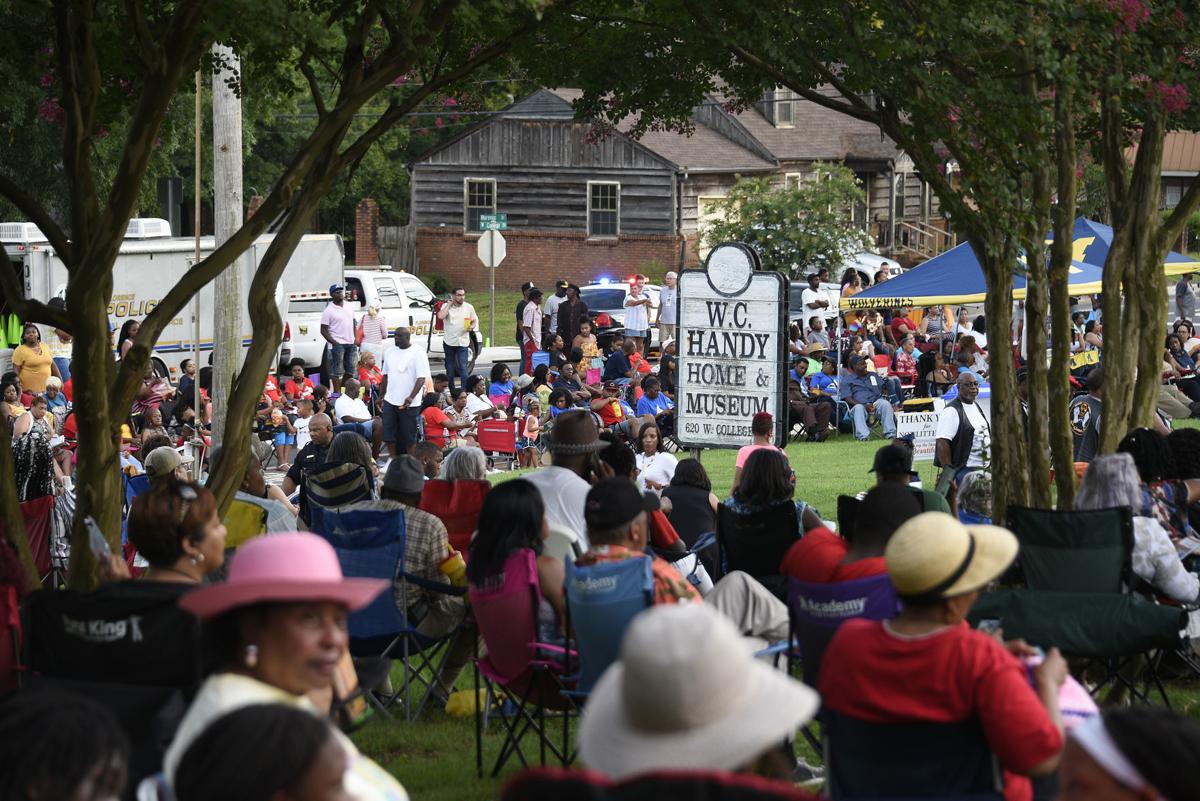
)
(731, 350)
(923, 427)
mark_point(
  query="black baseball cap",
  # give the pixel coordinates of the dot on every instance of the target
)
(892, 460)
(614, 502)
(528, 285)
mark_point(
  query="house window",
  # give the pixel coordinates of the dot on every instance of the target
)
(479, 197)
(785, 108)
(792, 180)
(1172, 193)
(604, 208)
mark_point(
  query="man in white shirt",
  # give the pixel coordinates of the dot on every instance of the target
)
(550, 312)
(531, 330)
(337, 328)
(353, 415)
(668, 305)
(565, 484)
(460, 320)
(405, 371)
(964, 435)
(814, 300)
(637, 314)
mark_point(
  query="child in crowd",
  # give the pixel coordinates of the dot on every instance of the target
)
(271, 388)
(368, 372)
(304, 413)
(529, 438)
(299, 385)
(284, 436)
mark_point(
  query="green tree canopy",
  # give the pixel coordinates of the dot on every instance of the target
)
(796, 228)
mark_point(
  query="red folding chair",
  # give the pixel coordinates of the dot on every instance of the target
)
(498, 438)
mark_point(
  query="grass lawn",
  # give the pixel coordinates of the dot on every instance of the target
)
(506, 320)
(435, 757)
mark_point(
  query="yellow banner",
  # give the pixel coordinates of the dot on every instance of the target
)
(1084, 358)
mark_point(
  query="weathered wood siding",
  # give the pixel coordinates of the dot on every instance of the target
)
(541, 169)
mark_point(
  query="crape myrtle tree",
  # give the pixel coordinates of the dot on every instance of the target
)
(112, 66)
(950, 82)
(796, 228)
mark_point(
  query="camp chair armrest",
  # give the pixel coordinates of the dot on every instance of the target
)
(780, 647)
(434, 586)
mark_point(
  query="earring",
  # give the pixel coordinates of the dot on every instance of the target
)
(251, 657)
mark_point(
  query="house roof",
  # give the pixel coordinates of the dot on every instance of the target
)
(542, 104)
(818, 134)
(703, 150)
(1181, 153)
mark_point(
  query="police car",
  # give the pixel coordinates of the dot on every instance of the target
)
(606, 295)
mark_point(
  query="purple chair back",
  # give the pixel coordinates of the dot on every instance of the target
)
(506, 613)
(817, 610)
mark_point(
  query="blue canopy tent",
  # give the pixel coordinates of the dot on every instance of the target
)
(956, 277)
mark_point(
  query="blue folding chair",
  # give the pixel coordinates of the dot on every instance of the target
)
(602, 599)
(370, 543)
(134, 486)
(816, 611)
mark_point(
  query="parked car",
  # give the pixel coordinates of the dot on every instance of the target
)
(607, 296)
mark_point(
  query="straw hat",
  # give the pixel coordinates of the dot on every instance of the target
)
(294, 566)
(934, 556)
(654, 710)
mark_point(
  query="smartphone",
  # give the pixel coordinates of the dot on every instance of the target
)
(989, 625)
(96, 539)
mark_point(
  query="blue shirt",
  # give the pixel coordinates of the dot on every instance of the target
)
(865, 389)
(500, 389)
(823, 382)
(654, 407)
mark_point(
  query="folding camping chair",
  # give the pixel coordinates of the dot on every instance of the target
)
(602, 600)
(817, 611)
(370, 543)
(498, 438)
(756, 544)
(1068, 556)
(128, 646)
(530, 672)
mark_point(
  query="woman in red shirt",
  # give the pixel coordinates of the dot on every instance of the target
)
(927, 666)
(440, 429)
(368, 372)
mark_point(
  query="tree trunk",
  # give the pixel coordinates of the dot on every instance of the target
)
(228, 303)
(1009, 466)
(10, 511)
(1036, 377)
(98, 487)
(1120, 328)
(1062, 445)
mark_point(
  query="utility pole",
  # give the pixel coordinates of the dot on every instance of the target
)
(228, 303)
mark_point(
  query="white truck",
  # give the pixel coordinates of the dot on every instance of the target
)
(151, 261)
(404, 300)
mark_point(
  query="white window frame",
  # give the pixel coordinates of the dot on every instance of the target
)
(467, 201)
(591, 235)
(782, 98)
(792, 180)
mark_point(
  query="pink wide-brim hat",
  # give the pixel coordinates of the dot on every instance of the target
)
(293, 566)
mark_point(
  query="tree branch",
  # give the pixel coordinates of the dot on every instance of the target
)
(39, 217)
(29, 310)
(314, 86)
(147, 52)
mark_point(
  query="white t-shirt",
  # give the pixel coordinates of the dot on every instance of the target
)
(637, 318)
(667, 298)
(302, 435)
(815, 296)
(346, 406)
(552, 310)
(980, 337)
(455, 334)
(659, 468)
(531, 317)
(565, 494)
(403, 368)
(476, 403)
(981, 443)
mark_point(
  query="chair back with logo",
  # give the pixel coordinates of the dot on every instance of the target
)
(335, 484)
(756, 543)
(369, 543)
(818, 610)
(505, 611)
(603, 599)
(128, 646)
(908, 760)
(457, 504)
(497, 436)
(883, 364)
(1080, 551)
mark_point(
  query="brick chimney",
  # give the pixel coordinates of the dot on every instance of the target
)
(366, 232)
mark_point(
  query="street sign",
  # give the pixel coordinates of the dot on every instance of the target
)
(491, 248)
(493, 222)
(732, 350)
